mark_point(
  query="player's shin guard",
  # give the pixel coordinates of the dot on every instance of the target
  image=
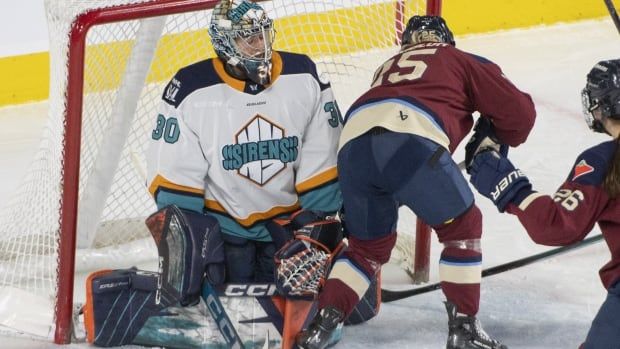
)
(460, 264)
(460, 272)
(354, 284)
(368, 306)
(190, 247)
(354, 271)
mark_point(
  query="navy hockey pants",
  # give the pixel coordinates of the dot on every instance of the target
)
(382, 170)
(605, 330)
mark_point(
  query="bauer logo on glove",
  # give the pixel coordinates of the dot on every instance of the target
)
(505, 183)
(495, 177)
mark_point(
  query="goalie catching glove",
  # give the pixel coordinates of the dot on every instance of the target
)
(303, 263)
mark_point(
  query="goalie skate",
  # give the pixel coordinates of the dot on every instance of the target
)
(465, 332)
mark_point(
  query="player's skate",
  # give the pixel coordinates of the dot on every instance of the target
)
(465, 332)
(324, 331)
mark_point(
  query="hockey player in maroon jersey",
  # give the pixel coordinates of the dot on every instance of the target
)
(589, 195)
(395, 150)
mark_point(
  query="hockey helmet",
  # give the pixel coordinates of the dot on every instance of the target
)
(427, 29)
(242, 36)
(602, 93)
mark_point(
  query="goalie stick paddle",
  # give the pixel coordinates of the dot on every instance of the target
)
(612, 12)
(219, 315)
(391, 296)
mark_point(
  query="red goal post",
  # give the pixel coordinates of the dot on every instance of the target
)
(73, 142)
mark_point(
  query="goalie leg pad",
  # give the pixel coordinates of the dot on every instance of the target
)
(118, 304)
(190, 248)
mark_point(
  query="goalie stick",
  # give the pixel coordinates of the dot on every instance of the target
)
(612, 12)
(388, 296)
(219, 315)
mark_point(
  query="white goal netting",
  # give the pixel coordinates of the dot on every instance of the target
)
(126, 66)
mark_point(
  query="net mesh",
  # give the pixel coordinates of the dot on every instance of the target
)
(126, 67)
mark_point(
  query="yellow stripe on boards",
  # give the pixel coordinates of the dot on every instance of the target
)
(469, 17)
(26, 77)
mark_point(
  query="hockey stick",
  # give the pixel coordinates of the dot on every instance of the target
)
(218, 313)
(391, 296)
(612, 12)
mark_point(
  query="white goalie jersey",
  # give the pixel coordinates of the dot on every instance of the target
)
(245, 152)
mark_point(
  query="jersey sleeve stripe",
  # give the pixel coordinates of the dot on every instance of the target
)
(528, 200)
(161, 182)
(255, 217)
(317, 180)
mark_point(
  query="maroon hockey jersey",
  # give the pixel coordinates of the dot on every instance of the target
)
(447, 85)
(570, 214)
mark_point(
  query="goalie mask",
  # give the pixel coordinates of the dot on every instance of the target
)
(242, 36)
(602, 94)
(427, 29)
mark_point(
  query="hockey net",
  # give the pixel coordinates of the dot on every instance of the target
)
(83, 202)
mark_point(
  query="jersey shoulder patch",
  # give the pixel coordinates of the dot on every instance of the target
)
(591, 166)
(189, 79)
(295, 63)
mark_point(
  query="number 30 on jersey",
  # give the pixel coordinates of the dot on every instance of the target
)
(166, 128)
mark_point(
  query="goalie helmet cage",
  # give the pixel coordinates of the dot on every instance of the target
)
(83, 201)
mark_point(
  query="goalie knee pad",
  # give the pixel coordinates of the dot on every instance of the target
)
(190, 248)
(118, 304)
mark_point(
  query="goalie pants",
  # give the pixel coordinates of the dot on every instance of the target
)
(404, 169)
(605, 330)
(248, 261)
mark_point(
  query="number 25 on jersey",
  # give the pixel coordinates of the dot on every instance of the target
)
(406, 66)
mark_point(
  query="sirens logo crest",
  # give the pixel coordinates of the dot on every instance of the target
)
(261, 152)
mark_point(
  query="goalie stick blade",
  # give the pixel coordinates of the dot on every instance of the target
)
(388, 296)
(612, 12)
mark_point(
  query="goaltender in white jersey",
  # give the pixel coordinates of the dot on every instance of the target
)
(245, 151)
